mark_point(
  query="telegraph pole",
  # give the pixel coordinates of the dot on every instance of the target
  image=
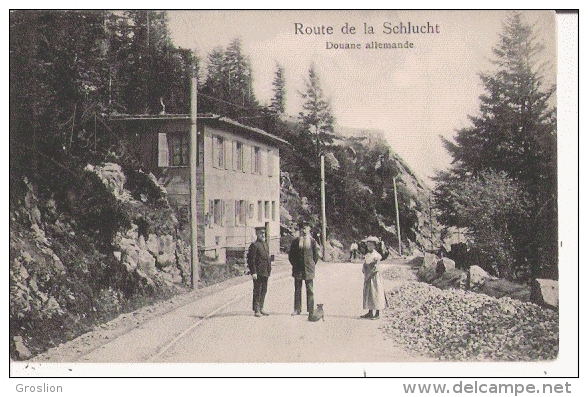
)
(323, 210)
(194, 266)
(397, 218)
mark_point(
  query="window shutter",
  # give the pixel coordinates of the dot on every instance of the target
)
(252, 159)
(237, 210)
(223, 212)
(262, 162)
(214, 152)
(228, 153)
(210, 213)
(270, 163)
(163, 150)
(235, 160)
(246, 151)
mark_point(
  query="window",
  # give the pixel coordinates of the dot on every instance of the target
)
(238, 156)
(173, 149)
(260, 211)
(270, 163)
(251, 210)
(179, 148)
(273, 210)
(217, 212)
(240, 212)
(267, 210)
(163, 151)
(256, 160)
(218, 152)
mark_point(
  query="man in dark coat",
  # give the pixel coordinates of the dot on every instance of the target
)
(260, 267)
(303, 256)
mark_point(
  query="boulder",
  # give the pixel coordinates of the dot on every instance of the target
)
(545, 292)
(163, 248)
(141, 242)
(130, 253)
(416, 251)
(172, 275)
(451, 279)
(166, 260)
(153, 244)
(167, 245)
(21, 350)
(417, 260)
(52, 306)
(114, 179)
(444, 264)
(57, 263)
(499, 288)
(146, 262)
(427, 274)
(23, 270)
(430, 260)
(477, 277)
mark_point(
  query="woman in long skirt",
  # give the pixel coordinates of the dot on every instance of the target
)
(374, 297)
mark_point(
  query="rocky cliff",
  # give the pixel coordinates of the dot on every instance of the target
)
(108, 245)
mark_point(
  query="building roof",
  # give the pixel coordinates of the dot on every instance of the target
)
(209, 118)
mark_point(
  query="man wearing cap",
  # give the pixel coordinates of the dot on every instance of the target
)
(260, 267)
(303, 256)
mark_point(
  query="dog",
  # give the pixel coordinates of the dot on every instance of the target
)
(317, 314)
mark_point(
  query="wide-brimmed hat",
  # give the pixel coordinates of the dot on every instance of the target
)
(260, 228)
(372, 239)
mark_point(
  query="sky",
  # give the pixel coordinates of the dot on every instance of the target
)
(414, 95)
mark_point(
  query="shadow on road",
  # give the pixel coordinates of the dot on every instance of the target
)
(250, 314)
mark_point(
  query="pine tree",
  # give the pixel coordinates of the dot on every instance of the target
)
(278, 102)
(515, 133)
(238, 74)
(229, 84)
(316, 115)
(147, 69)
(516, 129)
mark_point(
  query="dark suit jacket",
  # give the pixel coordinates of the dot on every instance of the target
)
(258, 259)
(301, 270)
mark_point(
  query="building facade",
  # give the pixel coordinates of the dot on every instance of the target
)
(237, 183)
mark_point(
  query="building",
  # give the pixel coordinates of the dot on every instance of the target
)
(238, 176)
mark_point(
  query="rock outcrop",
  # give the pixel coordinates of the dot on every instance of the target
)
(83, 255)
(545, 292)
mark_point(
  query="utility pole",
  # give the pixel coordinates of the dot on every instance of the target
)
(194, 266)
(323, 210)
(397, 218)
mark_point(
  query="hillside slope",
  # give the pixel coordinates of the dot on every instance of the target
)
(81, 259)
(360, 201)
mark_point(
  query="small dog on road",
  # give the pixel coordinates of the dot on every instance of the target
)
(317, 314)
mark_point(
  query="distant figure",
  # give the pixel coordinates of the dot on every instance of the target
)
(303, 257)
(374, 297)
(353, 251)
(260, 267)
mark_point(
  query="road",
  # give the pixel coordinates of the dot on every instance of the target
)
(221, 328)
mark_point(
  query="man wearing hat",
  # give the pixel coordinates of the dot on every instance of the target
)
(260, 267)
(303, 256)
